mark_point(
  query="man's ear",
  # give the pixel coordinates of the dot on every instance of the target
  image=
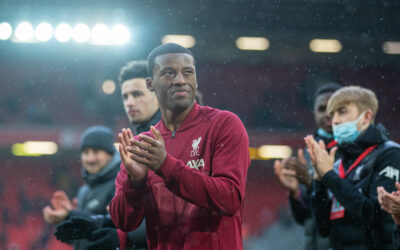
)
(149, 84)
(368, 116)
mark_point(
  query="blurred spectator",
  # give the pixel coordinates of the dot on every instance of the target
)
(100, 163)
(141, 107)
(296, 173)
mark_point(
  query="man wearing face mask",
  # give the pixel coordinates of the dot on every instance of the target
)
(351, 214)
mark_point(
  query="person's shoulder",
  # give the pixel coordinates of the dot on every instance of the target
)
(82, 190)
(217, 114)
(388, 148)
(223, 120)
(389, 155)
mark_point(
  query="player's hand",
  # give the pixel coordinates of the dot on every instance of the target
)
(390, 202)
(149, 151)
(322, 160)
(299, 165)
(135, 170)
(53, 216)
(287, 178)
(59, 209)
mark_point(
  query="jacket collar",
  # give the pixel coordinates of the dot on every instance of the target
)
(189, 121)
(372, 135)
(143, 127)
(110, 171)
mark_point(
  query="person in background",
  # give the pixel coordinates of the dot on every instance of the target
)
(296, 173)
(351, 216)
(141, 108)
(100, 165)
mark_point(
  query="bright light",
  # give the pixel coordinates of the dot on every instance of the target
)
(24, 32)
(274, 151)
(325, 45)
(34, 148)
(5, 31)
(100, 34)
(44, 32)
(63, 32)
(183, 40)
(108, 87)
(81, 33)
(392, 47)
(252, 43)
(119, 34)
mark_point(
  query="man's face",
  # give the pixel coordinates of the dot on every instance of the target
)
(348, 113)
(94, 159)
(140, 104)
(174, 81)
(322, 117)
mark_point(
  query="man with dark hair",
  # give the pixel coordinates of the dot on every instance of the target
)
(187, 175)
(169, 48)
(141, 107)
(296, 173)
(100, 163)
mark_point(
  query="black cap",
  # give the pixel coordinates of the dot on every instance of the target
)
(98, 137)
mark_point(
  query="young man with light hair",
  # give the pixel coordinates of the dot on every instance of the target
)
(350, 212)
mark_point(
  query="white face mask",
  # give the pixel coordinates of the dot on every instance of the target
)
(346, 132)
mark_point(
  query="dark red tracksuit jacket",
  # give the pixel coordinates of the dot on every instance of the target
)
(195, 199)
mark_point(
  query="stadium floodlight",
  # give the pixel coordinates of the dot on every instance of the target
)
(274, 151)
(391, 47)
(325, 46)
(108, 87)
(44, 32)
(34, 148)
(24, 32)
(81, 33)
(119, 34)
(186, 41)
(100, 34)
(5, 31)
(252, 43)
(63, 32)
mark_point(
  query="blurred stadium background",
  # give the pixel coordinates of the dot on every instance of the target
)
(261, 59)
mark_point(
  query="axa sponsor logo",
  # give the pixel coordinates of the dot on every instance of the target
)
(196, 164)
(390, 172)
(195, 145)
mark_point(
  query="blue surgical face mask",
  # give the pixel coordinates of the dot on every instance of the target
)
(346, 132)
(325, 134)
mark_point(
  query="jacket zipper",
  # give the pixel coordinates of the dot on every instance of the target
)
(173, 199)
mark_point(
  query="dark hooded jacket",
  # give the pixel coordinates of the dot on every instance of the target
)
(302, 210)
(96, 194)
(364, 224)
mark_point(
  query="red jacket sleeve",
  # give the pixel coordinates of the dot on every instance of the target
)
(223, 191)
(127, 208)
(123, 239)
